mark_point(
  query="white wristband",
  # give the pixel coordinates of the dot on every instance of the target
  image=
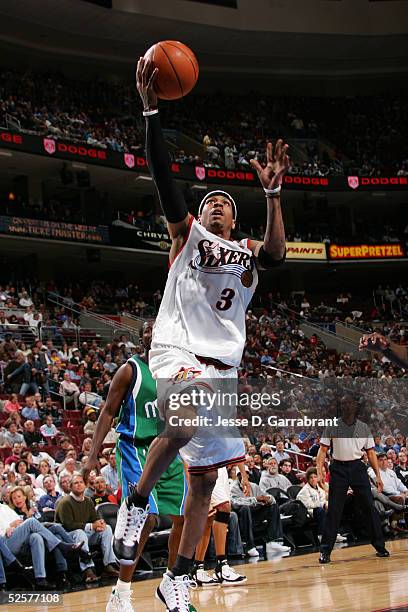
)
(150, 112)
(269, 193)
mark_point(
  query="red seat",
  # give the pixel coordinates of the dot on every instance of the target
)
(4, 453)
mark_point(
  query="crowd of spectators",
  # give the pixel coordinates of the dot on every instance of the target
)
(53, 391)
(231, 129)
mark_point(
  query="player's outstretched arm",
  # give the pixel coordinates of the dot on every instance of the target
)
(171, 198)
(377, 342)
(117, 391)
(271, 252)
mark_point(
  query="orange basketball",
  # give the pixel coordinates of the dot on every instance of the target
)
(178, 69)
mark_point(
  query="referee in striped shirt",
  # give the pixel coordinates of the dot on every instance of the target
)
(350, 438)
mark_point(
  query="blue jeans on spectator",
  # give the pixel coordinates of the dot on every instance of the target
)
(32, 537)
(103, 538)
(234, 542)
(25, 388)
(6, 557)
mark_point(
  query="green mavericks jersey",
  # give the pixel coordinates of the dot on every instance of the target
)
(139, 417)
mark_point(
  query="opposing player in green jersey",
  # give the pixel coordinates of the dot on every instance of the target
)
(132, 399)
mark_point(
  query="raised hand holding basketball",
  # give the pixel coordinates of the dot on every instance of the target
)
(276, 166)
(146, 75)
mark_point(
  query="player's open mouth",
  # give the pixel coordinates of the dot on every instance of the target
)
(217, 213)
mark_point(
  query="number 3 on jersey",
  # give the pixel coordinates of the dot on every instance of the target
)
(227, 296)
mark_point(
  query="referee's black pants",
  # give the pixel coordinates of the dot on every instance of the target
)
(345, 474)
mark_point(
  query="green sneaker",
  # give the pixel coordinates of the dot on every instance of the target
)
(191, 608)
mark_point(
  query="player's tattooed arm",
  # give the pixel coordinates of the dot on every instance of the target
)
(171, 198)
(272, 250)
(117, 391)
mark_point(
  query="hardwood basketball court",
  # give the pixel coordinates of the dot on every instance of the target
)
(355, 580)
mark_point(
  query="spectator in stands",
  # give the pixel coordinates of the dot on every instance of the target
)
(46, 503)
(89, 398)
(31, 436)
(393, 488)
(69, 467)
(27, 456)
(109, 364)
(378, 446)
(39, 455)
(77, 515)
(253, 511)
(30, 410)
(15, 453)
(12, 436)
(280, 453)
(50, 408)
(399, 442)
(90, 425)
(90, 489)
(314, 449)
(20, 468)
(254, 473)
(64, 481)
(314, 499)
(401, 469)
(44, 469)
(8, 348)
(20, 502)
(110, 472)
(392, 455)
(271, 479)
(14, 371)
(286, 469)
(293, 443)
(12, 404)
(9, 560)
(60, 455)
(103, 493)
(48, 430)
(70, 391)
(86, 447)
(31, 537)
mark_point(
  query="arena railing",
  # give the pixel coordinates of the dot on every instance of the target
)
(96, 321)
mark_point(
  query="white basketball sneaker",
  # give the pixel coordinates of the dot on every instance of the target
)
(129, 525)
(227, 576)
(174, 593)
(202, 578)
(120, 602)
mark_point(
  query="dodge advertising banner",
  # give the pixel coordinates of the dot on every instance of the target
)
(366, 251)
(36, 228)
(132, 162)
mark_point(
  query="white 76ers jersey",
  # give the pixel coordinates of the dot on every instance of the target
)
(209, 287)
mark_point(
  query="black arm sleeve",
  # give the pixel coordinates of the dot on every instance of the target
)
(171, 199)
(266, 261)
(399, 361)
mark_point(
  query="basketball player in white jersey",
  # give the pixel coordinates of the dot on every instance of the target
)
(199, 334)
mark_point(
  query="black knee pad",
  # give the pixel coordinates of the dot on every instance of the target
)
(222, 517)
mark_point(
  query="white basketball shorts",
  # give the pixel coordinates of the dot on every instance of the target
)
(211, 447)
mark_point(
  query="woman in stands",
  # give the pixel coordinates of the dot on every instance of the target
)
(12, 404)
(21, 469)
(45, 470)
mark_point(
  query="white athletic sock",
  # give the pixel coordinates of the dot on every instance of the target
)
(122, 587)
